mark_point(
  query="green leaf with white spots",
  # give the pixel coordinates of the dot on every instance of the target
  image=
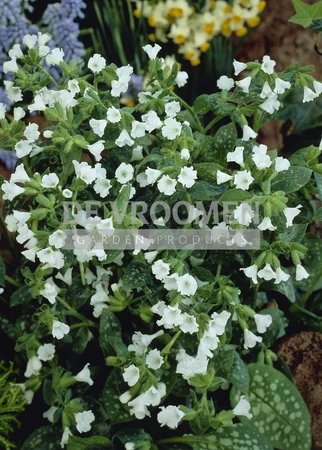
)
(111, 400)
(279, 411)
(238, 375)
(222, 362)
(135, 435)
(136, 275)
(237, 437)
(224, 142)
(291, 180)
(44, 438)
(93, 442)
(295, 233)
(208, 171)
(109, 327)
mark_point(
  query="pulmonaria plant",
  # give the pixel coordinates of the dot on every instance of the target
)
(154, 336)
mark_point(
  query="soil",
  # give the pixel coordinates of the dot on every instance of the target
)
(303, 354)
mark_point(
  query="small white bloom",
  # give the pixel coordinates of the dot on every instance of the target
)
(268, 65)
(236, 156)
(16, 52)
(223, 177)
(172, 109)
(152, 51)
(125, 397)
(281, 86)
(34, 366)
(46, 352)
(67, 278)
(124, 139)
(189, 324)
(281, 164)
(270, 105)
(10, 66)
(67, 193)
(185, 154)
(167, 185)
(102, 187)
(263, 321)
(281, 276)
(96, 63)
(250, 339)
(290, 214)
(267, 273)
(152, 121)
(59, 329)
(152, 175)
(317, 87)
(266, 91)
(20, 175)
(170, 416)
(239, 67)
(18, 113)
(30, 40)
(160, 269)
(98, 126)
(171, 129)
(11, 190)
(124, 173)
(242, 408)
(248, 133)
(309, 95)
(84, 376)
(154, 360)
(2, 111)
(23, 148)
(266, 224)
(49, 181)
(113, 115)
(84, 171)
(50, 413)
(225, 83)
(55, 57)
(14, 93)
(57, 239)
(243, 179)
(84, 420)
(244, 84)
(244, 214)
(131, 375)
(138, 129)
(96, 149)
(187, 176)
(65, 437)
(187, 285)
(31, 132)
(182, 78)
(301, 273)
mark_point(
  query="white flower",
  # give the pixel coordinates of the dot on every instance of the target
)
(171, 129)
(50, 291)
(142, 179)
(187, 176)
(23, 148)
(281, 164)
(65, 437)
(172, 109)
(49, 181)
(160, 269)
(290, 214)
(34, 366)
(16, 52)
(250, 339)
(153, 396)
(10, 66)
(301, 273)
(267, 273)
(67, 193)
(266, 224)
(266, 91)
(223, 177)
(18, 113)
(236, 156)
(2, 111)
(124, 139)
(49, 414)
(46, 352)
(152, 121)
(129, 446)
(216, 326)
(244, 214)
(84, 376)
(225, 83)
(189, 324)
(55, 57)
(242, 408)
(239, 67)
(187, 285)
(270, 105)
(14, 93)
(170, 416)
(141, 341)
(131, 375)
(51, 258)
(309, 95)
(281, 86)
(138, 129)
(317, 87)
(30, 40)
(185, 154)
(96, 149)
(137, 154)
(102, 187)
(124, 173)
(263, 321)
(138, 407)
(31, 132)
(125, 397)
(243, 179)
(59, 329)
(171, 317)
(98, 126)
(84, 420)
(167, 185)
(84, 171)
(67, 278)
(113, 115)
(244, 84)
(57, 239)
(248, 133)
(268, 65)
(152, 175)
(170, 282)
(11, 190)
(281, 276)
(20, 175)
(154, 360)
(96, 63)
(182, 78)
(152, 51)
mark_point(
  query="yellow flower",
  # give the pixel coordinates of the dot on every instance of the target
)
(137, 13)
(179, 39)
(204, 47)
(261, 6)
(195, 62)
(212, 4)
(176, 12)
(151, 37)
(228, 9)
(130, 104)
(190, 54)
(253, 21)
(209, 28)
(241, 32)
(152, 21)
(225, 28)
(236, 18)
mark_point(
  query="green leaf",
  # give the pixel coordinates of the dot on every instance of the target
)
(93, 442)
(2, 272)
(279, 411)
(286, 288)
(276, 329)
(234, 195)
(204, 191)
(77, 294)
(295, 233)
(317, 215)
(123, 198)
(317, 25)
(208, 171)
(109, 327)
(111, 400)
(222, 362)
(238, 375)
(136, 275)
(80, 340)
(21, 296)
(305, 14)
(312, 262)
(132, 435)
(291, 180)
(201, 104)
(236, 437)
(43, 439)
(225, 141)
(318, 180)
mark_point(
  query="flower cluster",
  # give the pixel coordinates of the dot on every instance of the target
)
(193, 30)
(165, 318)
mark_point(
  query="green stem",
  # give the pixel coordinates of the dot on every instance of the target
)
(218, 272)
(188, 108)
(255, 292)
(82, 273)
(75, 313)
(11, 281)
(168, 347)
(212, 123)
